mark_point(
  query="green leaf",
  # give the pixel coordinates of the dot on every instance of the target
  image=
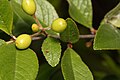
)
(51, 49)
(113, 16)
(6, 16)
(17, 64)
(2, 42)
(81, 11)
(73, 68)
(45, 12)
(71, 33)
(107, 38)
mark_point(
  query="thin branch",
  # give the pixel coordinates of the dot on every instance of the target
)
(37, 38)
(87, 36)
(58, 37)
(8, 42)
(13, 37)
(37, 21)
(35, 34)
(80, 36)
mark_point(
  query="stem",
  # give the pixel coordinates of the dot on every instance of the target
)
(37, 38)
(37, 21)
(93, 31)
(40, 26)
(80, 36)
(14, 37)
(58, 37)
(35, 34)
(9, 42)
(87, 36)
(70, 45)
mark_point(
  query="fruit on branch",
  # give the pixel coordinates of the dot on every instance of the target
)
(23, 41)
(59, 25)
(35, 28)
(29, 6)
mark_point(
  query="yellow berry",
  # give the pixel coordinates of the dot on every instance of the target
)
(29, 6)
(59, 25)
(23, 41)
(35, 28)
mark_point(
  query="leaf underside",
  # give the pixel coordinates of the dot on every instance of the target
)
(51, 49)
(81, 11)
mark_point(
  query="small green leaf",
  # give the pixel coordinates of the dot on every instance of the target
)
(51, 49)
(71, 33)
(17, 64)
(107, 38)
(81, 11)
(45, 12)
(2, 42)
(113, 16)
(73, 68)
(6, 16)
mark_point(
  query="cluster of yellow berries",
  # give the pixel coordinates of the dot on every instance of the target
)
(24, 40)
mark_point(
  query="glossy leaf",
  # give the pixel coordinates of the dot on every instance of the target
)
(107, 38)
(71, 33)
(73, 68)
(51, 49)
(45, 12)
(6, 16)
(17, 64)
(113, 16)
(81, 11)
